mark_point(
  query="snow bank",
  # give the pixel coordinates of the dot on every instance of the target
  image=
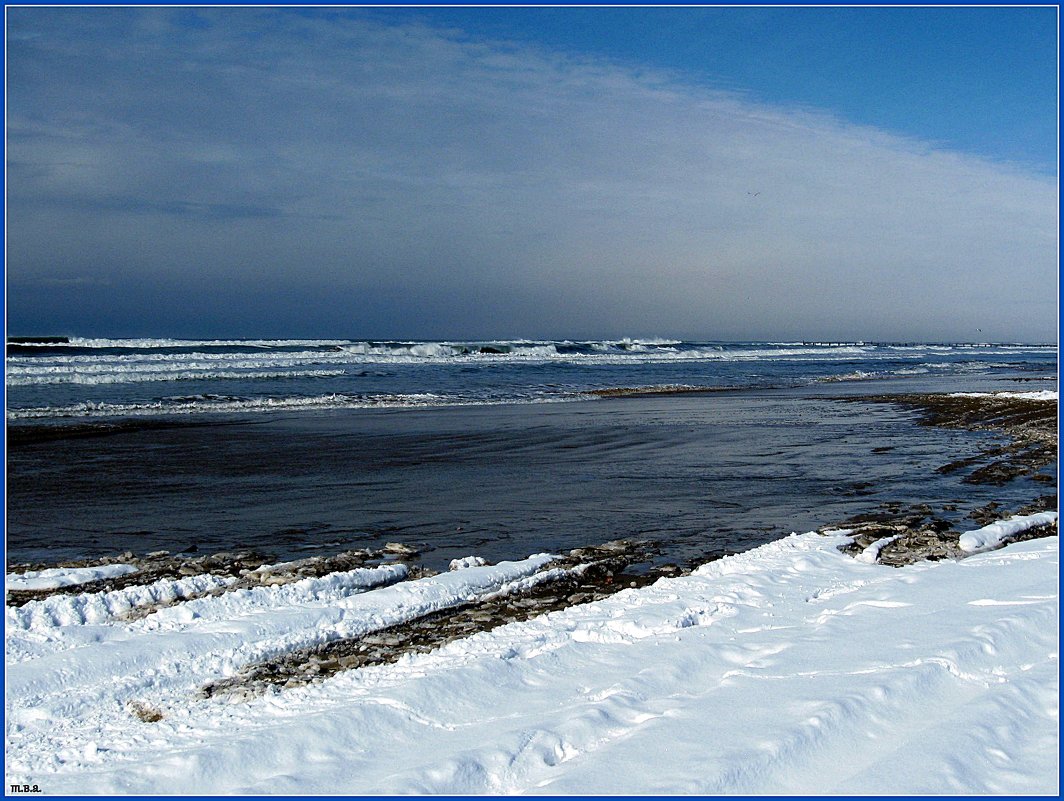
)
(992, 536)
(791, 668)
(334, 587)
(55, 577)
(59, 678)
(98, 607)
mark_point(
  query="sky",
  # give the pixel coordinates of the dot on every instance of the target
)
(703, 173)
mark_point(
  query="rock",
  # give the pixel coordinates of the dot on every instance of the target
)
(399, 548)
(616, 546)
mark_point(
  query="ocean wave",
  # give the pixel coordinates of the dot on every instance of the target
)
(613, 352)
(920, 369)
(81, 368)
(488, 351)
(221, 404)
(151, 343)
(657, 389)
(134, 377)
(856, 375)
(231, 359)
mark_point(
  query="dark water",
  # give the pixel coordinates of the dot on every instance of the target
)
(698, 473)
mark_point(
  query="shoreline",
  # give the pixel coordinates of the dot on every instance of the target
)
(1030, 424)
(131, 687)
(916, 533)
(1029, 427)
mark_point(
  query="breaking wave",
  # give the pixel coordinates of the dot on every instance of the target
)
(221, 404)
(55, 377)
(98, 376)
(154, 343)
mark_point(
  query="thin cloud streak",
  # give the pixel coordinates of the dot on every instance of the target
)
(342, 177)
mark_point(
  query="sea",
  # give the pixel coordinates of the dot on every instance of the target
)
(497, 448)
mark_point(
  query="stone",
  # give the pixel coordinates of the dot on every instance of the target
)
(399, 548)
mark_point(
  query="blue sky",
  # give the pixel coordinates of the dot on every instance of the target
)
(724, 173)
(981, 80)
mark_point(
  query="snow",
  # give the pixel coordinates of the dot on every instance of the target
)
(182, 647)
(1044, 394)
(991, 536)
(791, 668)
(871, 553)
(467, 561)
(56, 577)
(98, 607)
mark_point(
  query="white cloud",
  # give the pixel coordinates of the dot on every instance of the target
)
(470, 185)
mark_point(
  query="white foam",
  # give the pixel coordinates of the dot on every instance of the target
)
(1044, 394)
(88, 342)
(128, 376)
(338, 363)
(211, 405)
(147, 365)
(201, 360)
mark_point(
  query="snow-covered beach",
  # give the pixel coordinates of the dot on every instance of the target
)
(806, 665)
(591, 399)
(791, 668)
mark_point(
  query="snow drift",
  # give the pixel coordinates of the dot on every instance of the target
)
(791, 668)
